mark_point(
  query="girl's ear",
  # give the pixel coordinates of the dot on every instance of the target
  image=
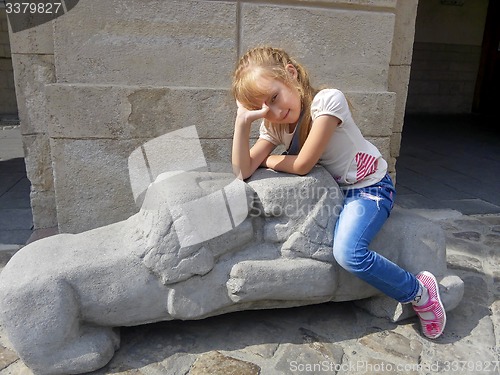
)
(292, 70)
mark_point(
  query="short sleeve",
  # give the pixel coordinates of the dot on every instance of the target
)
(330, 102)
(268, 134)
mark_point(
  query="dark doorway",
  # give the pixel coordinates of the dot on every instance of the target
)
(488, 81)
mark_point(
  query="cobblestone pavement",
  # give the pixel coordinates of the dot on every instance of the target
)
(331, 338)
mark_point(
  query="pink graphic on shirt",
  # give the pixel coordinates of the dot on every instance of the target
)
(366, 163)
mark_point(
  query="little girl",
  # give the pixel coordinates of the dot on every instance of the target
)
(317, 127)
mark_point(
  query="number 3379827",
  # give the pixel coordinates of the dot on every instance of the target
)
(33, 8)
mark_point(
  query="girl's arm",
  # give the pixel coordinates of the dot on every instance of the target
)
(245, 160)
(314, 146)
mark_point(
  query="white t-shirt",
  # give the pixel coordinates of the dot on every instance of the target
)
(349, 157)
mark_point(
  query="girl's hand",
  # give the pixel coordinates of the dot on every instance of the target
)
(248, 116)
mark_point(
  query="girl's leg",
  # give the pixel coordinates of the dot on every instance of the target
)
(365, 211)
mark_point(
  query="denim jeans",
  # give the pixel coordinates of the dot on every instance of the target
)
(364, 212)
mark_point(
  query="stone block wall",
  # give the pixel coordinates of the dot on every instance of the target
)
(443, 78)
(98, 82)
(8, 105)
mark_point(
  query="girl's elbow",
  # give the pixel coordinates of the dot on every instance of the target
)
(240, 174)
(303, 168)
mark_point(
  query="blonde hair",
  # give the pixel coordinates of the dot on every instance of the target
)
(272, 63)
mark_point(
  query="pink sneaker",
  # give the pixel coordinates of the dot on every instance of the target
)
(432, 315)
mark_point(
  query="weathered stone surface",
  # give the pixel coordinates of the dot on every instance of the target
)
(464, 262)
(39, 162)
(470, 236)
(369, 109)
(35, 41)
(400, 347)
(92, 185)
(217, 363)
(399, 76)
(158, 44)
(7, 357)
(332, 62)
(45, 214)
(32, 73)
(85, 166)
(383, 144)
(130, 112)
(313, 357)
(402, 44)
(196, 249)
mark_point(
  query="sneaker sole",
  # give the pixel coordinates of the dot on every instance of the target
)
(436, 286)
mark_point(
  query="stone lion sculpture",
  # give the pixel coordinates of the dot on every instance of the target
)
(202, 244)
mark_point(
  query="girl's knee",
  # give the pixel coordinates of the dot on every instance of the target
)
(343, 256)
(352, 259)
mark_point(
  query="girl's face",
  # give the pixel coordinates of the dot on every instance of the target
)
(283, 100)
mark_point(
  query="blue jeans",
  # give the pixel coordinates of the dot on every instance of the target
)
(364, 212)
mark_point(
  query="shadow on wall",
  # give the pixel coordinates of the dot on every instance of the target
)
(25, 15)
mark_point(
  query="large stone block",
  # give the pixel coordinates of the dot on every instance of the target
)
(218, 153)
(395, 144)
(404, 32)
(38, 161)
(156, 43)
(346, 49)
(32, 73)
(92, 184)
(373, 112)
(202, 244)
(128, 112)
(39, 171)
(37, 40)
(95, 181)
(383, 144)
(399, 76)
(43, 207)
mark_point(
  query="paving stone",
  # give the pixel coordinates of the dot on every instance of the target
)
(495, 317)
(394, 346)
(492, 240)
(458, 245)
(12, 146)
(8, 178)
(300, 359)
(15, 236)
(463, 262)
(5, 255)
(7, 357)
(380, 367)
(217, 363)
(472, 206)
(15, 218)
(471, 223)
(418, 201)
(470, 236)
(491, 220)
